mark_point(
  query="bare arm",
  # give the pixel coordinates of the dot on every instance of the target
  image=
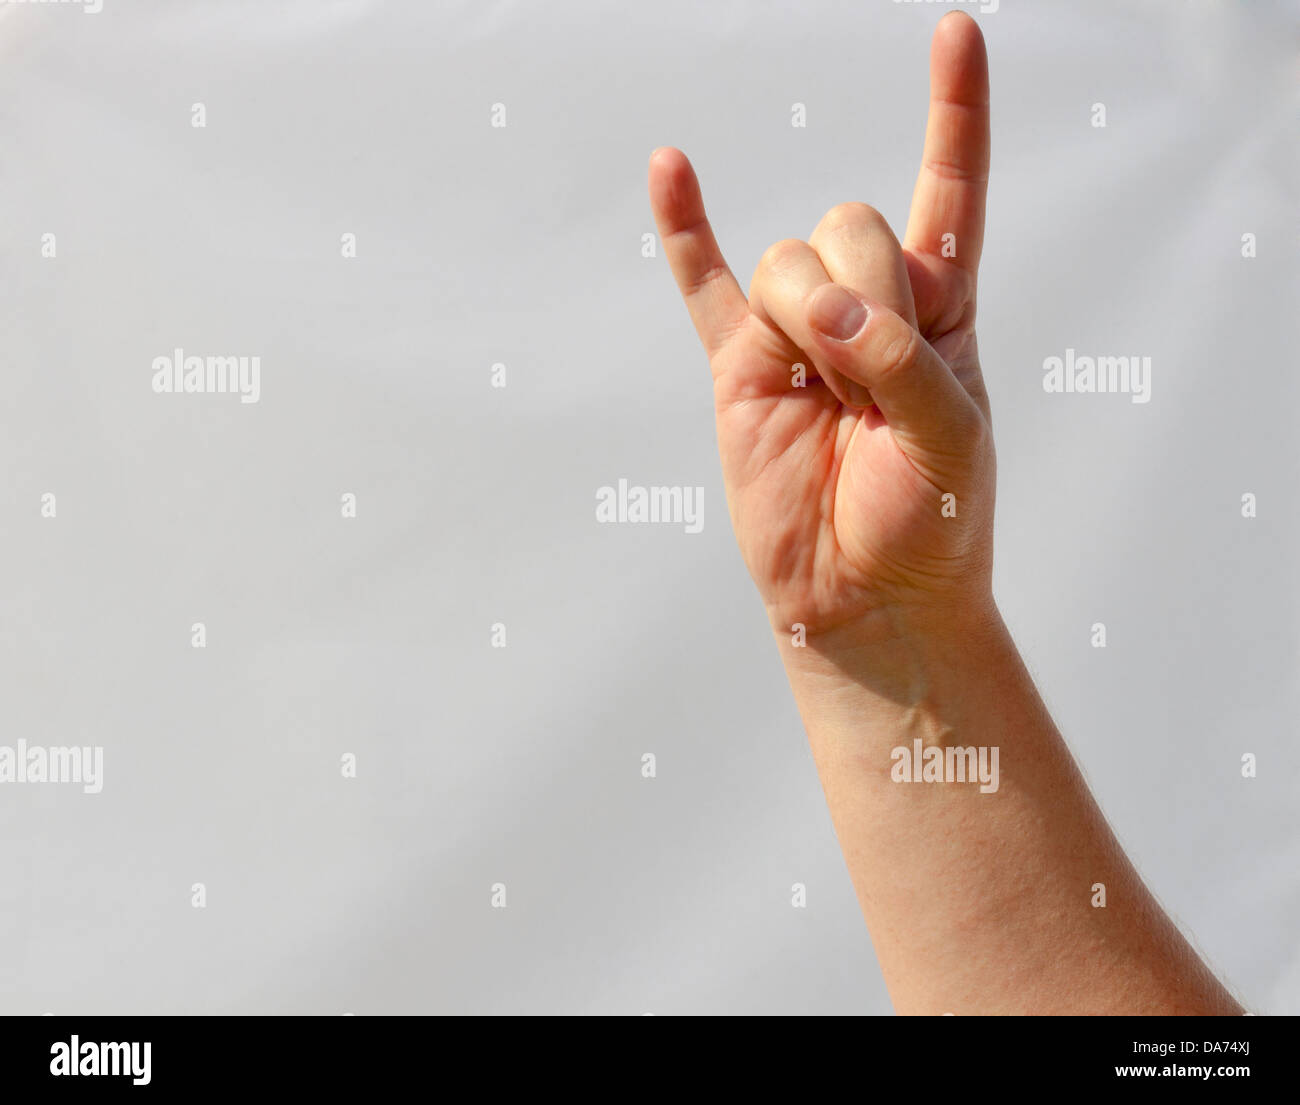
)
(1004, 894)
(862, 500)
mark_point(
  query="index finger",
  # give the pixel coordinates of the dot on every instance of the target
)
(717, 305)
(950, 190)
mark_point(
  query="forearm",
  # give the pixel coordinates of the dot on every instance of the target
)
(979, 900)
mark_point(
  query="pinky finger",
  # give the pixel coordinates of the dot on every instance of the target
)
(717, 305)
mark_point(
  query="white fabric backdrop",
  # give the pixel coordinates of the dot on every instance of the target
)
(522, 245)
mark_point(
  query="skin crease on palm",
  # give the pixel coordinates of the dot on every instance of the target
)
(863, 506)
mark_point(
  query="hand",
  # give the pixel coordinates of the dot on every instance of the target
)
(840, 505)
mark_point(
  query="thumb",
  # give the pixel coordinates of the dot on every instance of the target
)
(924, 404)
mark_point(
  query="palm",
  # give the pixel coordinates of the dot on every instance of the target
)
(832, 515)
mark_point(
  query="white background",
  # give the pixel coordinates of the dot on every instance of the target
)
(522, 245)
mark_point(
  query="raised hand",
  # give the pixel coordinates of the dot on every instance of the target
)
(870, 487)
(863, 504)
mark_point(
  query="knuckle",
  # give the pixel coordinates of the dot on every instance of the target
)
(845, 215)
(781, 255)
(900, 348)
(698, 281)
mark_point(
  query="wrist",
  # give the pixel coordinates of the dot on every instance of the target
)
(901, 674)
(893, 641)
